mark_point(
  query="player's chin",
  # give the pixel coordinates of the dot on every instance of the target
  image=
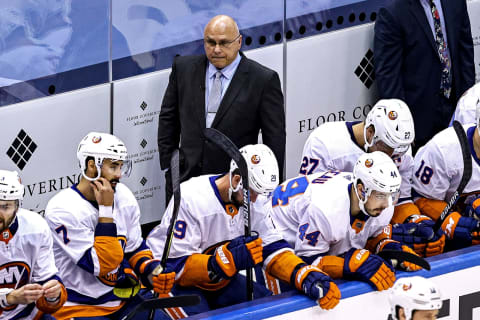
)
(375, 212)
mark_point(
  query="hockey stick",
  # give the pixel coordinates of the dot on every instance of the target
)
(466, 175)
(175, 172)
(224, 143)
(397, 257)
(152, 304)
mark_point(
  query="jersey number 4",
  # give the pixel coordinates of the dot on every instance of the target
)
(312, 237)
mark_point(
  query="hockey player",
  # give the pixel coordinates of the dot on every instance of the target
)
(465, 111)
(388, 127)
(437, 173)
(209, 246)
(97, 237)
(415, 298)
(29, 285)
(331, 217)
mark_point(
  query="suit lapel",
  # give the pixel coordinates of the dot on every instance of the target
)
(198, 81)
(241, 74)
(417, 10)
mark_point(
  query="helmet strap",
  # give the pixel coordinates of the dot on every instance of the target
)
(366, 194)
(99, 172)
(368, 144)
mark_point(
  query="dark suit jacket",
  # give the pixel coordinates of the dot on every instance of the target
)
(252, 102)
(407, 65)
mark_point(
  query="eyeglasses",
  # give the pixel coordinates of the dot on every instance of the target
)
(222, 43)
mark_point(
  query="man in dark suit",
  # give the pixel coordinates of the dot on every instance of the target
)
(423, 53)
(224, 90)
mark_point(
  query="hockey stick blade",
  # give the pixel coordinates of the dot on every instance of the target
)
(466, 175)
(224, 143)
(152, 304)
(401, 256)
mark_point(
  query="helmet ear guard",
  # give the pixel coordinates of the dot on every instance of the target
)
(414, 293)
(376, 171)
(101, 146)
(392, 123)
(263, 173)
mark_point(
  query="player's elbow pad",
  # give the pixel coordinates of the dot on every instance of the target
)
(107, 247)
(283, 265)
(51, 307)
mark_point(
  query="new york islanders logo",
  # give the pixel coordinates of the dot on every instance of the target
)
(14, 274)
(255, 159)
(392, 115)
(407, 287)
(96, 139)
(368, 163)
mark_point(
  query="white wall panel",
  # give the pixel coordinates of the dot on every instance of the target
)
(137, 103)
(321, 84)
(49, 130)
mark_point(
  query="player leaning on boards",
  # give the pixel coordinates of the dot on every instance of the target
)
(208, 248)
(330, 217)
(389, 128)
(414, 298)
(437, 174)
(97, 237)
(30, 286)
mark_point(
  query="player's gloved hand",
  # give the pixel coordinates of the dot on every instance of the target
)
(405, 265)
(419, 235)
(317, 285)
(360, 264)
(152, 277)
(472, 210)
(127, 284)
(464, 231)
(239, 254)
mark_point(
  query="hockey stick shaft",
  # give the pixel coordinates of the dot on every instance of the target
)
(466, 175)
(224, 143)
(169, 302)
(175, 180)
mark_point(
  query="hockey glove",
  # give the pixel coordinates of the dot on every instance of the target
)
(153, 278)
(419, 235)
(361, 265)
(464, 231)
(472, 210)
(405, 265)
(317, 285)
(127, 284)
(239, 254)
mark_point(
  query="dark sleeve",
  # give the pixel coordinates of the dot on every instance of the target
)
(272, 119)
(169, 121)
(388, 51)
(465, 52)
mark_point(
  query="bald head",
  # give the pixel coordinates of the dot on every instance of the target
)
(222, 41)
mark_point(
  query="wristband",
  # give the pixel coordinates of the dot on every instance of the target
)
(105, 212)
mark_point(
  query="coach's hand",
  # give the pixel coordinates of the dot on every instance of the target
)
(361, 265)
(317, 285)
(239, 254)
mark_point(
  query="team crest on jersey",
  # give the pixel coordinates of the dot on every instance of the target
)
(96, 139)
(368, 163)
(392, 115)
(407, 287)
(14, 274)
(255, 159)
(231, 210)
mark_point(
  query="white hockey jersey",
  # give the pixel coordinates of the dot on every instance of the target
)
(332, 146)
(204, 220)
(439, 166)
(313, 214)
(26, 256)
(73, 220)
